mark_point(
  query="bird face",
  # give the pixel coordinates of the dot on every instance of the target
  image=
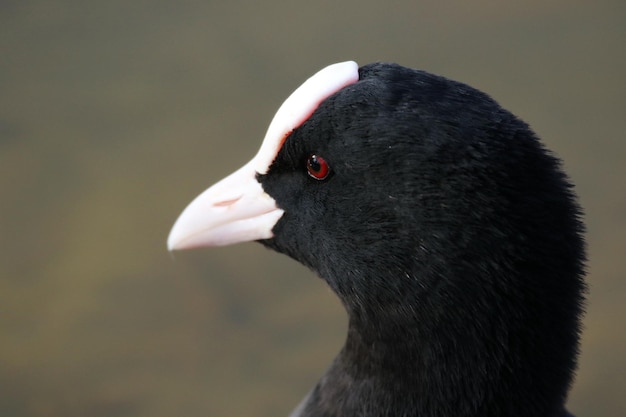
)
(343, 184)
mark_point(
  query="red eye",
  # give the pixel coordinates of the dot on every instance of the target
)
(317, 167)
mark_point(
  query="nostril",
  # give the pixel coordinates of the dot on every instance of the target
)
(225, 203)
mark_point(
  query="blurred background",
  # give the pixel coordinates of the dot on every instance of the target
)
(114, 115)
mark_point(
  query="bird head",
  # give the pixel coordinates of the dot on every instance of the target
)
(379, 171)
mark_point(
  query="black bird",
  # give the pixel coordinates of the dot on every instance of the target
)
(451, 235)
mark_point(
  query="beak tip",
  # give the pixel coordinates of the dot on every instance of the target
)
(175, 240)
(175, 237)
(171, 244)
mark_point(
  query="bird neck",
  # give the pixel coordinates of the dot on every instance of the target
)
(440, 355)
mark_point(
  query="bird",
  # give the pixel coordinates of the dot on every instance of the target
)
(451, 235)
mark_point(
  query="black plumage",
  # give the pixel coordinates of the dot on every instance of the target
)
(453, 239)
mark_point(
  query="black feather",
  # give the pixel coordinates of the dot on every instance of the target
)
(452, 237)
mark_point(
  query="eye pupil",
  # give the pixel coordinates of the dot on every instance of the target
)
(317, 167)
(315, 164)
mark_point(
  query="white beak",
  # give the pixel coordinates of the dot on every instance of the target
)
(234, 210)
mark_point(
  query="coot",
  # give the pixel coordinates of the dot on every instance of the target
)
(450, 234)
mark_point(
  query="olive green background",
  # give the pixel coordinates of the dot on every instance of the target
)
(115, 114)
